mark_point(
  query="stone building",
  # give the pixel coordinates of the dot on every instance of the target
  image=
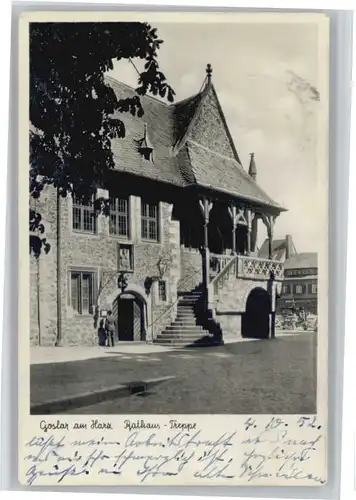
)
(300, 285)
(175, 259)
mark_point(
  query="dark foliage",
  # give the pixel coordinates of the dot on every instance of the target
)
(74, 112)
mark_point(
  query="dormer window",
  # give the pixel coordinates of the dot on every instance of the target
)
(145, 146)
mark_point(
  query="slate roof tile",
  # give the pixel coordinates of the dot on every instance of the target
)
(158, 117)
(220, 172)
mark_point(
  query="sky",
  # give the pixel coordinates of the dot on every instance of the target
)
(266, 76)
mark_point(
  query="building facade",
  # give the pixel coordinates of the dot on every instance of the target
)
(300, 285)
(174, 259)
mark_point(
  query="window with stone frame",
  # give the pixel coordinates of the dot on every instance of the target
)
(162, 291)
(315, 289)
(149, 221)
(286, 290)
(119, 223)
(81, 291)
(83, 216)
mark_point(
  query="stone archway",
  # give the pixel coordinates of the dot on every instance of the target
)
(132, 309)
(256, 318)
(130, 318)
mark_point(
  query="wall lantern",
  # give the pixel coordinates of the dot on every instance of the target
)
(122, 282)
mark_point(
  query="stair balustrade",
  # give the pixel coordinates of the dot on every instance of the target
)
(243, 267)
(256, 268)
(217, 263)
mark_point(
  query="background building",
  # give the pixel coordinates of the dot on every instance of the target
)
(282, 249)
(300, 285)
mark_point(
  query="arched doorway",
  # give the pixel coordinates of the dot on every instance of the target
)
(256, 318)
(129, 311)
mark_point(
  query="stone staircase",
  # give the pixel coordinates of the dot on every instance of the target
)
(190, 328)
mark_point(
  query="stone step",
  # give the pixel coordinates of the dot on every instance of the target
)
(185, 322)
(177, 338)
(190, 320)
(184, 328)
(186, 333)
(181, 344)
(190, 297)
(185, 339)
(190, 330)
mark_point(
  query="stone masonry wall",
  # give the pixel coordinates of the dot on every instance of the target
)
(98, 253)
(43, 289)
(230, 303)
(34, 296)
(190, 270)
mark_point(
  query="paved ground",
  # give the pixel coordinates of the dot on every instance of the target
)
(41, 355)
(272, 376)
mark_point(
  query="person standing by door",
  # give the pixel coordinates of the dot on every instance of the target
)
(110, 326)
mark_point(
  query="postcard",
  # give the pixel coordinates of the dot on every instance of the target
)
(173, 293)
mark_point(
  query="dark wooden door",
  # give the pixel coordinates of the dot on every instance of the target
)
(125, 319)
(137, 322)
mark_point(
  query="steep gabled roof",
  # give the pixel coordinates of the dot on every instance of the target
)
(187, 112)
(178, 159)
(183, 115)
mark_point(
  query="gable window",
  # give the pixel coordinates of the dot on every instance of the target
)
(149, 221)
(81, 291)
(83, 216)
(119, 217)
(162, 291)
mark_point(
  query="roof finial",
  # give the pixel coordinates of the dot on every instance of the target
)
(252, 168)
(209, 71)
